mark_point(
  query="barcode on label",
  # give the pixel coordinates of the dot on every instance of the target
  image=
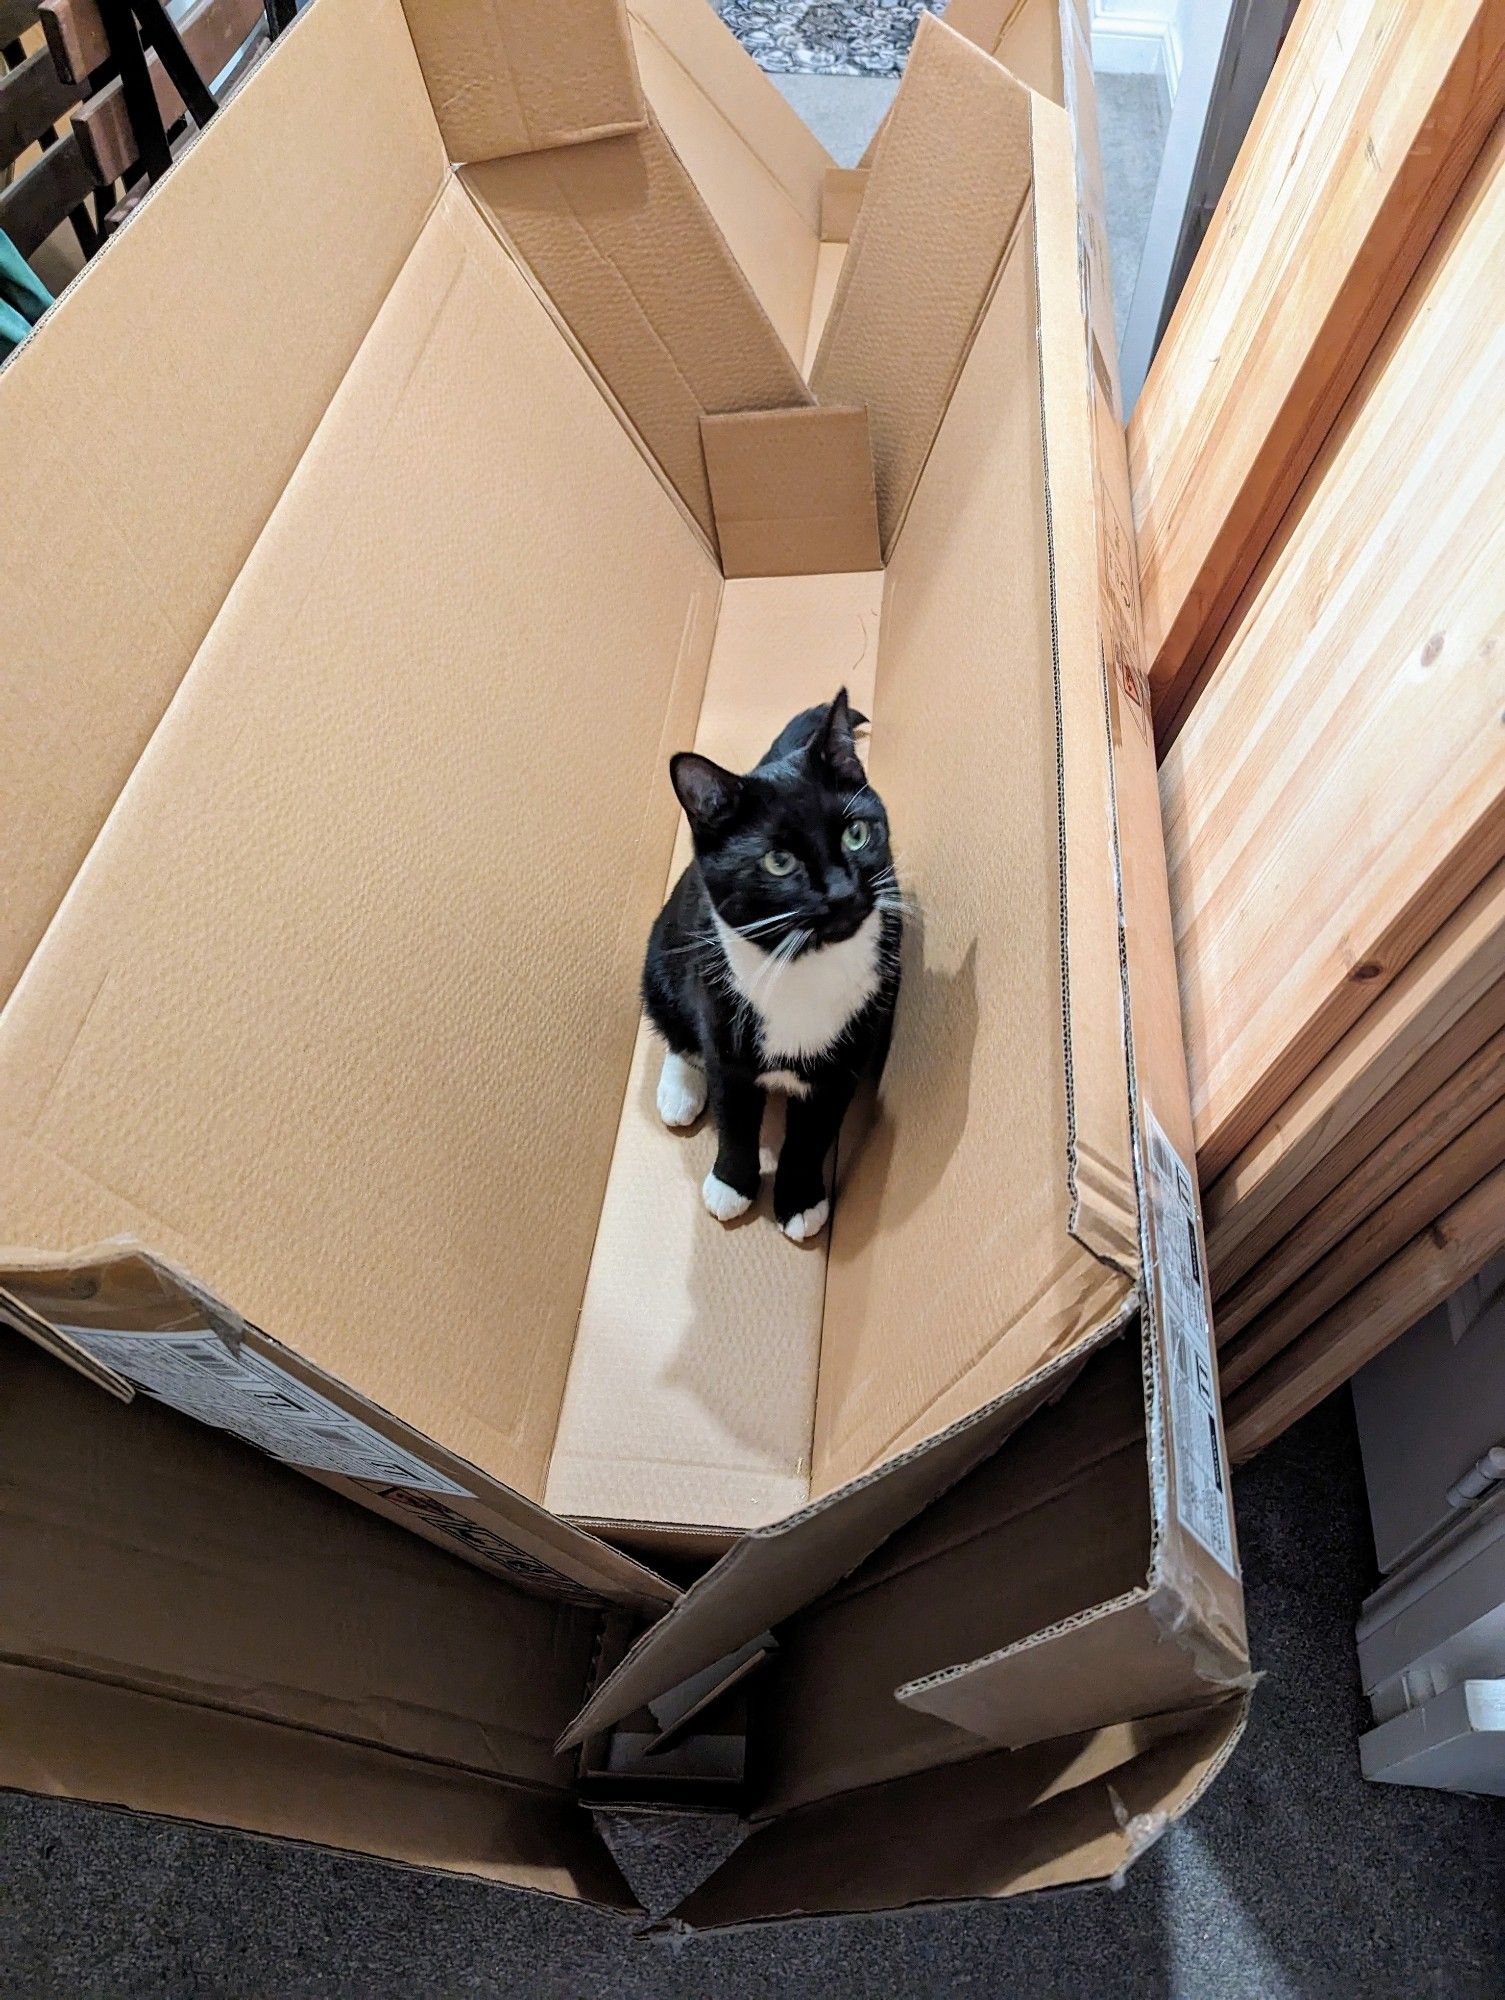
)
(245, 1393)
(1202, 1500)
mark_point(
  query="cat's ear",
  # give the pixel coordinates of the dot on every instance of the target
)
(708, 794)
(834, 744)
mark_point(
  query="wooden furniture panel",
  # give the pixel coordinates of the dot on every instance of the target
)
(1442, 1256)
(1463, 1115)
(1340, 788)
(1445, 1005)
(1374, 113)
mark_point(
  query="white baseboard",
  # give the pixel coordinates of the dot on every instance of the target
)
(1128, 47)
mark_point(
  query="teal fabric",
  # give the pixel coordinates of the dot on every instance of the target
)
(23, 296)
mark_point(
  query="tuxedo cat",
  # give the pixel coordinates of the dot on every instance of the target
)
(774, 965)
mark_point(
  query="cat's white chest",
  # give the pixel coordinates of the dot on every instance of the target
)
(801, 1007)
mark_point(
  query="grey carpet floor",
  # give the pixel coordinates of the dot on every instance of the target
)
(1292, 1879)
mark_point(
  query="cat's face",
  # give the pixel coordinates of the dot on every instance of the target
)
(795, 854)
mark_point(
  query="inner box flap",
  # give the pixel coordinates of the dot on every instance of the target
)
(756, 163)
(528, 75)
(1059, 1521)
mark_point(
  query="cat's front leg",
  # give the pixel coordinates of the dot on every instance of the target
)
(800, 1202)
(731, 1187)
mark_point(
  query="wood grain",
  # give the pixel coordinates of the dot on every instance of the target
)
(1380, 1236)
(1446, 1004)
(1473, 1089)
(1443, 1256)
(1373, 115)
(32, 99)
(38, 200)
(1340, 788)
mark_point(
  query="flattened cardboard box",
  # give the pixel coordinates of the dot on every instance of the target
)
(323, 1125)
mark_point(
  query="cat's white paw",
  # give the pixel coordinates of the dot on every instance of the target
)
(809, 1222)
(768, 1159)
(681, 1090)
(724, 1202)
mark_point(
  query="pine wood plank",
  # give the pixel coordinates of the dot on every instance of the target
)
(1340, 788)
(1373, 115)
(1446, 1004)
(1443, 1256)
(1473, 1089)
(1429, 1193)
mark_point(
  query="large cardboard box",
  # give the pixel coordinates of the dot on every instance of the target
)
(432, 453)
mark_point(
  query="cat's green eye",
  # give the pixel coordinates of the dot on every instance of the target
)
(856, 836)
(777, 862)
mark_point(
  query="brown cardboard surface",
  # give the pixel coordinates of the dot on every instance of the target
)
(792, 491)
(966, 1831)
(1024, 35)
(772, 1572)
(321, 180)
(617, 236)
(840, 200)
(147, 1550)
(340, 1134)
(186, 1628)
(967, 702)
(136, 1302)
(527, 75)
(691, 1394)
(1114, 1658)
(82, 1739)
(828, 269)
(308, 1023)
(757, 165)
(948, 181)
(1057, 1522)
(1035, 40)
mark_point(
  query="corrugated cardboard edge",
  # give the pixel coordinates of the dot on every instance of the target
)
(793, 491)
(1210, 1597)
(1052, 1683)
(526, 76)
(1104, 1195)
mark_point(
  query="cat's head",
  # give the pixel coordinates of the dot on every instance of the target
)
(795, 852)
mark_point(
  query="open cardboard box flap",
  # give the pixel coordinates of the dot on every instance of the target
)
(339, 812)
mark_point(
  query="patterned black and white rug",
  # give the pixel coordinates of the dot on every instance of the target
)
(827, 37)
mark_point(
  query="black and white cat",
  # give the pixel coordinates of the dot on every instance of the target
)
(774, 965)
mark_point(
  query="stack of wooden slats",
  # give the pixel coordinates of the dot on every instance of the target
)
(1319, 466)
